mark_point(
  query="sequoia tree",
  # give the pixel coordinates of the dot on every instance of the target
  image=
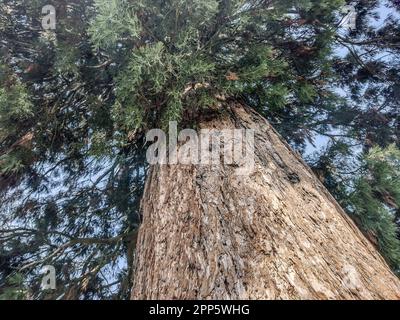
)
(275, 234)
(76, 104)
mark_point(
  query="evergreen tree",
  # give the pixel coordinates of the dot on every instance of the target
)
(76, 102)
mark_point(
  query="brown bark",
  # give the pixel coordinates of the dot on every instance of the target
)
(276, 234)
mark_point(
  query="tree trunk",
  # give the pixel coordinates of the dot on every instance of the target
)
(209, 233)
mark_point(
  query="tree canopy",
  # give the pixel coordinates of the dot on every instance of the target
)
(76, 102)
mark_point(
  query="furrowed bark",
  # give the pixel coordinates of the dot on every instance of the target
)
(208, 233)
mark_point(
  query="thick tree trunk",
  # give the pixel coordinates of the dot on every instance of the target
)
(208, 233)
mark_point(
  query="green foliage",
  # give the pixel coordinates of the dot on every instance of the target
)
(15, 106)
(114, 21)
(82, 98)
(277, 96)
(147, 70)
(376, 198)
(14, 288)
(174, 108)
(66, 60)
(154, 74)
(10, 163)
(306, 93)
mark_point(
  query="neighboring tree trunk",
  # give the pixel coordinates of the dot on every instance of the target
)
(208, 233)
